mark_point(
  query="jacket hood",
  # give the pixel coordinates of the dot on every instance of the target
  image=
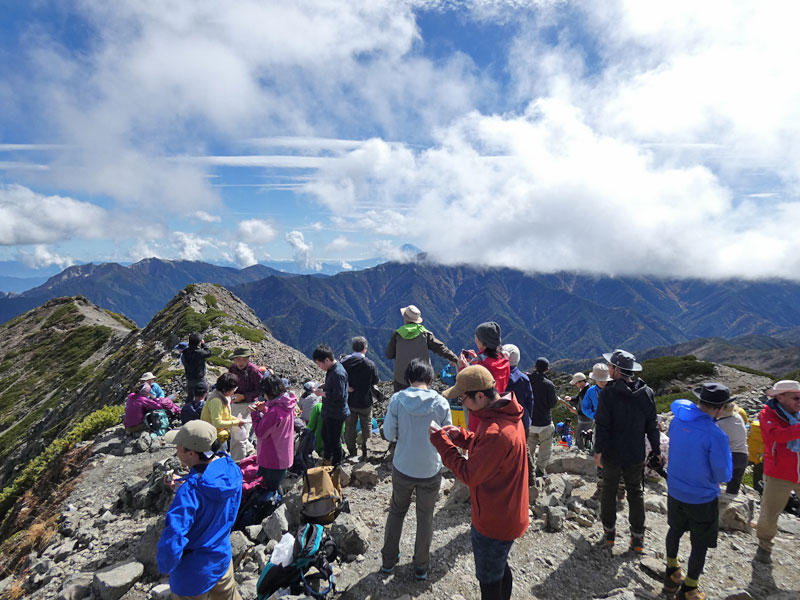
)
(418, 402)
(506, 409)
(285, 401)
(635, 387)
(686, 410)
(221, 479)
(410, 330)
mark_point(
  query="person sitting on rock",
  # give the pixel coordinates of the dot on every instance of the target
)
(195, 547)
(155, 389)
(217, 409)
(780, 430)
(138, 404)
(194, 409)
(273, 422)
(308, 400)
(416, 466)
(699, 461)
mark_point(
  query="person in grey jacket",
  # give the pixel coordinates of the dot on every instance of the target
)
(416, 464)
(412, 340)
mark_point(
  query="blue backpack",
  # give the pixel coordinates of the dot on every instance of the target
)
(157, 422)
(313, 547)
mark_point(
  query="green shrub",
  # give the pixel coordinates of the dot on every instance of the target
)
(218, 361)
(122, 320)
(663, 402)
(751, 371)
(211, 300)
(66, 314)
(658, 371)
(191, 320)
(248, 333)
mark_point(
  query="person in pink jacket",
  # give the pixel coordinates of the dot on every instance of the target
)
(139, 404)
(273, 422)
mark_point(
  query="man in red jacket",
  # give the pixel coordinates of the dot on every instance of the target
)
(780, 428)
(496, 474)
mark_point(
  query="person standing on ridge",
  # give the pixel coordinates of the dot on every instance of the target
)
(579, 380)
(412, 340)
(519, 385)
(362, 375)
(626, 412)
(699, 460)
(193, 359)
(334, 410)
(541, 431)
(490, 355)
(780, 430)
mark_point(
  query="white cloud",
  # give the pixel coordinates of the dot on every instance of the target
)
(190, 247)
(302, 251)
(346, 265)
(141, 249)
(339, 244)
(244, 255)
(205, 217)
(316, 226)
(27, 217)
(256, 231)
(43, 257)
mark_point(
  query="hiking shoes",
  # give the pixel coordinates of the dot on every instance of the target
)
(389, 569)
(672, 582)
(637, 544)
(420, 573)
(690, 594)
(609, 537)
(763, 556)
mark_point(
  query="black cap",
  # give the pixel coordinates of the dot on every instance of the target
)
(713, 393)
(200, 388)
(541, 364)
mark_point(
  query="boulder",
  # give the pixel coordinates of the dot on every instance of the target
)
(350, 534)
(276, 524)
(112, 582)
(577, 464)
(556, 516)
(239, 547)
(75, 586)
(737, 515)
(255, 533)
(789, 524)
(458, 496)
(655, 503)
(293, 501)
(160, 592)
(147, 546)
(365, 474)
(653, 567)
(556, 486)
(344, 476)
(142, 443)
(248, 588)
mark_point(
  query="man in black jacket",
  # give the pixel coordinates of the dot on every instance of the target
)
(626, 412)
(541, 429)
(194, 363)
(362, 374)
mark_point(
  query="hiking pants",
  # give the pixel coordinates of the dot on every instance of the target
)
(491, 566)
(332, 439)
(773, 501)
(584, 424)
(358, 415)
(224, 589)
(190, 385)
(543, 438)
(632, 475)
(739, 465)
(427, 493)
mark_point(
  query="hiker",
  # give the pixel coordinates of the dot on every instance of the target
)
(195, 547)
(490, 355)
(412, 340)
(519, 384)
(334, 410)
(217, 409)
(138, 404)
(755, 451)
(626, 412)
(273, 422)
(541, 430)
(780, 430)
(699, 461)
(416, 466)
(194, 409)
(248, 376)
(495, 474)
(193, 359)
(585, 422)
(732, 424)
(362, 374)
(155, 389)
(308, 400)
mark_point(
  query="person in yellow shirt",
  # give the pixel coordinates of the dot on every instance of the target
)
(217, 409)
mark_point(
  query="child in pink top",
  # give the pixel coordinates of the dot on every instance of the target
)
(273, 422)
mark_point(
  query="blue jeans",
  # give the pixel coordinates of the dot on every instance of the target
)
(491, 556)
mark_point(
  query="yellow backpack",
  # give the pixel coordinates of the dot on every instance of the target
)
(755, 443)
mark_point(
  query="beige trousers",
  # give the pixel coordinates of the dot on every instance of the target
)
(225, 589)
(773, 501)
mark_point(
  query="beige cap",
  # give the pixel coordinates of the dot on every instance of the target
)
(196, 435)
(147, 376)
(600, 372)
(475, 378)
(411, 314)
(576, 378)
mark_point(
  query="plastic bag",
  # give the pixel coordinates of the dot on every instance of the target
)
(284, 551)
(238, 434)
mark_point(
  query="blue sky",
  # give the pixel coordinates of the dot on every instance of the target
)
(613, 137)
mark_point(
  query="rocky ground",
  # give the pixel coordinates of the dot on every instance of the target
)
(110, 523)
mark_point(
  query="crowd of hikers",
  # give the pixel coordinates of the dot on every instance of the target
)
(492, 428)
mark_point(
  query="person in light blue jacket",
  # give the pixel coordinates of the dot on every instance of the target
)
(416, 465)
(699, 460)
(195, 547)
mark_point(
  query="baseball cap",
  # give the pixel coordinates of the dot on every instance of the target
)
(475, 378)
(195, 435)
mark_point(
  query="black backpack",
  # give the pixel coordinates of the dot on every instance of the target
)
(303, 455)
(260, 504)
(313, 547)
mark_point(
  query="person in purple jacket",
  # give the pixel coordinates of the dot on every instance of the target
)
(273, 422)
(248, 376)
(138, 405)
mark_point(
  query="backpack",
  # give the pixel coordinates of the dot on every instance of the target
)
(260, 504)
(157, 422)
(322, 495)
(304, 449)
(313, 547)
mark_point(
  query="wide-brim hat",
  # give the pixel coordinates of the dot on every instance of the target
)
(600, 372)
(242, 353)
(623, 360)
(411, 314)
(147, 376)
(196, 435)
(475, 378)
(576, 378)
(783, 386)
(713, 393)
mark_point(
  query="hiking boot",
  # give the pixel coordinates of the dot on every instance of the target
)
(637, 543)
(763, 556)
(685, 593)
(609, 536)
(420, 573)
(672, 582)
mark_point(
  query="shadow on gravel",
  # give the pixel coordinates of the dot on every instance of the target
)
(593, 573)
(402, 581)
(762, 583)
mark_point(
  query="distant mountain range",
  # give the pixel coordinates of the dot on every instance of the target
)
(563, 316)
